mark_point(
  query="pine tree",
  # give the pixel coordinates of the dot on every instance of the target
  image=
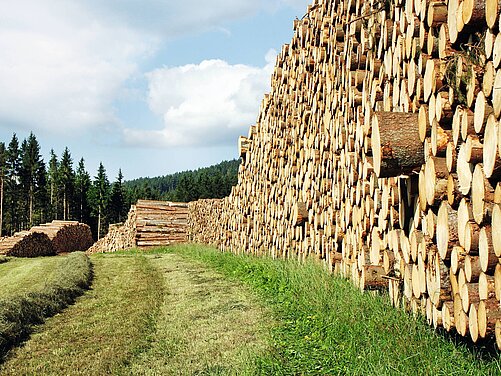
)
(30, 175)
(66, 179)
(100, 195)
(42, 208)
(82, 187)
(3, 171)
(12, 180)
(118, 207)
(52, 176)
(187, 189)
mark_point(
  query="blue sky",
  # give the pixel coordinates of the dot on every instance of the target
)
(152, 87)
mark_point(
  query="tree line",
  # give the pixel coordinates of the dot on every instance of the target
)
(33, 192)
(208, 182)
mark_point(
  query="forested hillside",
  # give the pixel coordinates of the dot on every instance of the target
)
(209, 182)
(33, 191)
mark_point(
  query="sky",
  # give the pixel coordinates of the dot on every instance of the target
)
(149, 86)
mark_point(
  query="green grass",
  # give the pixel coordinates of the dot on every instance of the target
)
(208, 325)
(20, 313)
(21, 275)
(149, 315)
(108, 326)
(183, 310)
(328, 327)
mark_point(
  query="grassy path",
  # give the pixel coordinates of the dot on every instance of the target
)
(148, 315)
(207, 326)
(188, 310)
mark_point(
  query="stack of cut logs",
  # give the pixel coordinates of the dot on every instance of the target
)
(120, 236)
(149, 224)
(160, 223)
(66, 236)
(27, 244)
(378, 150)
(48, 239)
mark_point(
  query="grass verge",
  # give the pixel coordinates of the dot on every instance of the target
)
(104, 331)
(20, 313)
(328, 327)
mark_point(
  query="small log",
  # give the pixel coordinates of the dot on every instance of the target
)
(491, 158)
(447, 230)
(492, 10)
(489, 312)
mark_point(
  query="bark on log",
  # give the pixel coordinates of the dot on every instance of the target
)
(396, 147)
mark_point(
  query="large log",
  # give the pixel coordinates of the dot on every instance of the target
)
(396, 147)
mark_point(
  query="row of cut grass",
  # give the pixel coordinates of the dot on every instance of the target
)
(22, 275)
(20, 312)
(150, 315)
(104, 331)
(328, 327)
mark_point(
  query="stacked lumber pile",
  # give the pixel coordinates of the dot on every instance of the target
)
(66, 236)
(160, 223)
(27, 244)
(149, 224)
(378, 150)
(48, 239)
(120, 236)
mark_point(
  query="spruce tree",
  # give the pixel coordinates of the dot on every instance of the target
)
(12, 186)
(31, 177)
(52, 180)
(3, 170)
(100, 194)
(82, 188)
(66, 179)
(118, 209)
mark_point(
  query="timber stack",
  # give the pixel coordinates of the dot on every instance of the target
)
(378, 150)
(149, 224)
(66, 236)
(26, 244)
(160, 223)
(48, 239)
(120, 236)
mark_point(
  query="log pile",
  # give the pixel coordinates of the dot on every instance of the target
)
(149, 224)
(48, 239)
(120, 236)
(26, 244)
(66, 236)
(160, 223)
(378, 150)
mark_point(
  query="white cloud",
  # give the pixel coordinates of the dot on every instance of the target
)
(63, 64)
(205, 104)
(60, 68)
